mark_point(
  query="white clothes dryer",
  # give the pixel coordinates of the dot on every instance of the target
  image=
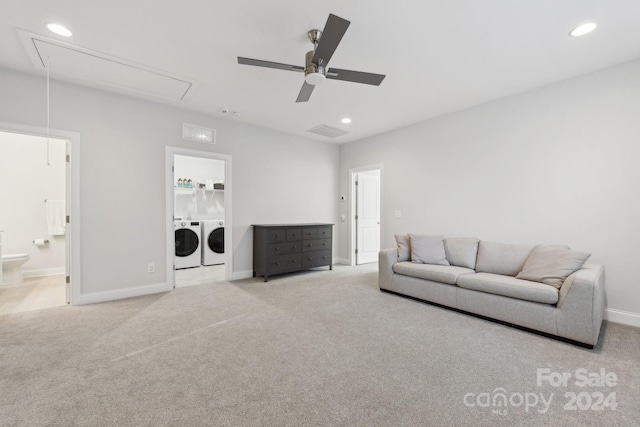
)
(212, 242)
(187, 236)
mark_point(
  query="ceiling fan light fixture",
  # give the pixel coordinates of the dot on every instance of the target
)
(315, 79)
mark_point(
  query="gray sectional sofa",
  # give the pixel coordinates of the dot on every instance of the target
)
(523, 285)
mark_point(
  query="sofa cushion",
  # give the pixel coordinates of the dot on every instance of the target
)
(501, 258)
(438, 273)
(427, 249)
(509, 287)
(404, 250)
(461, 251)
(552, 265)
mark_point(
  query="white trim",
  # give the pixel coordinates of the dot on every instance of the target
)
(621, 316)
(170, 152)
(242, 274)
(352, 207)
(122, 293)
(344, 261)
(72, 236)
(41, 272)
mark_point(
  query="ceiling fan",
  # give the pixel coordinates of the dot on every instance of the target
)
(316, 70)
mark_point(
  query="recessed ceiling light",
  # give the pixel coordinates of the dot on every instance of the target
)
(583, 29)
(346, 120)
(60, 30)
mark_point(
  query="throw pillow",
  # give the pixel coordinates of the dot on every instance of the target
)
(427, 249)
(404, 250)
(461, 251)
(552, 265)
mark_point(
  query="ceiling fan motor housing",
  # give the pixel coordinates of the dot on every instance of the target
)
(313, 74)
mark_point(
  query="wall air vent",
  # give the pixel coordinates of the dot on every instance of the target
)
(328, 131)
(198, 133)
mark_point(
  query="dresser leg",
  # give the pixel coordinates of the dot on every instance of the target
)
(266, 278)
(330, 266)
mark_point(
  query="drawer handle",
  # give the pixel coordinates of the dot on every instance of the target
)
(310, 245)
(294, 261)
(294, 247)
(277, 263)
(324, 257)
(324, 244)
(309, 258)
(277, 248)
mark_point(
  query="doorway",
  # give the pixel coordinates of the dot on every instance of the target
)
(199, 217)
(365, 226)
(35, 176)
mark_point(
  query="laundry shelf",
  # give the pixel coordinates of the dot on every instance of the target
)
(192, 191)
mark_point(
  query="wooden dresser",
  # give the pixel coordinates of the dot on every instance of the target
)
(284, 248)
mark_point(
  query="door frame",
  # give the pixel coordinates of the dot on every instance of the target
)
(73, 267)
(170, 153)
(353, 174)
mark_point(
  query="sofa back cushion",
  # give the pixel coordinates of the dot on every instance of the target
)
(461, 251)
(502, 258)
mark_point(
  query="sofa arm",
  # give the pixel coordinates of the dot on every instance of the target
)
(581, 305)
(386, 259)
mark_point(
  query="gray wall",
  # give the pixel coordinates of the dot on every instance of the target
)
(276, 177)
(554, 165)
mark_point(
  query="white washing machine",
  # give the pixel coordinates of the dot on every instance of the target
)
(187, 236)
(212, 242)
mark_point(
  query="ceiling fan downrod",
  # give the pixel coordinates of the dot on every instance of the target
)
(314, 74)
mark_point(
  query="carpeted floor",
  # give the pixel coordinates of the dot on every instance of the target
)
(307, 349)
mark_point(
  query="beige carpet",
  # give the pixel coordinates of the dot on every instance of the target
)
(308, 349)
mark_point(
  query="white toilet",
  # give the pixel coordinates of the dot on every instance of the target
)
(12, 268)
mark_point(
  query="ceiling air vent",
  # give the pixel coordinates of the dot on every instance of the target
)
(328, 131)
(198, 133)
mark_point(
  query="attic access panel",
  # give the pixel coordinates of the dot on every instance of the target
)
(103, 70)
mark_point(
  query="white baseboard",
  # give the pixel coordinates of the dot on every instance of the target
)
(344, 261)
(44, 272)
(121, 293)
(620, 316)
(239, 275)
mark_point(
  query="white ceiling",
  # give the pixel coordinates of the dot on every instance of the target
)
(439, 56)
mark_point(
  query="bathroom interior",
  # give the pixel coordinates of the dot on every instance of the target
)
(32, 222)
(199, 206)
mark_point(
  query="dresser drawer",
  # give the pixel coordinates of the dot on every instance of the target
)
(324, 232)
(317, 233)
(310, 233)
(277, 235)
(294, 234)
(316, 259)
(316, 245)
(285, 248)
(284, 263)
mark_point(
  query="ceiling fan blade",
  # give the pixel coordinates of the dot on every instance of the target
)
(333, 31)
(268, 64)
(305, 92)
(355, 76)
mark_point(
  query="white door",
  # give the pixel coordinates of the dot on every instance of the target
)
(67, 198)
(367, 216)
